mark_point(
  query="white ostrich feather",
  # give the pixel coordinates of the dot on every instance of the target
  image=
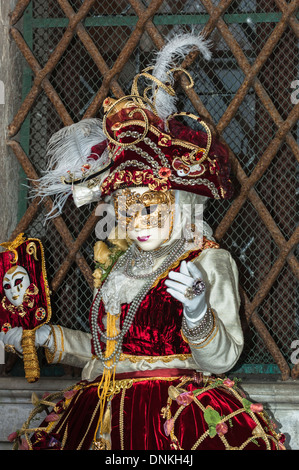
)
(170, 56)
(67, 152)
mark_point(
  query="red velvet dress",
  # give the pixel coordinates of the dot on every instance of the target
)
(148, 411)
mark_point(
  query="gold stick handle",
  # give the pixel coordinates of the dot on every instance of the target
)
(31, 363)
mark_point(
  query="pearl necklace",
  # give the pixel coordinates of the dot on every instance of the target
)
(145, 259)
(177, 250)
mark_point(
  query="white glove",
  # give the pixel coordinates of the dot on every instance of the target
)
(178, 282)
(13, 338)
(43, 337)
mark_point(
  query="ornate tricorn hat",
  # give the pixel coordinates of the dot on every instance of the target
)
(148, 143)
(140, 142)
(162, 154)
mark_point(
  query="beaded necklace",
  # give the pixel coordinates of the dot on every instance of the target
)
(114, 339)
(174, 252)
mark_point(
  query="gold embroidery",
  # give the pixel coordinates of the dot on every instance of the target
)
(31, 250)
(207, 129)
(158, 133)
(50, 356)
(12, 246)
(121, 418)
(137, 179)
(31, 363)
(45, 279)
(153, 359)
(90, 423)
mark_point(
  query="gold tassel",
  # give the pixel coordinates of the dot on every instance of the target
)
(106, 423)
(107, 384)
(101, 444)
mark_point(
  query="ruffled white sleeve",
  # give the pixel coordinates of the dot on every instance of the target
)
(70, 347)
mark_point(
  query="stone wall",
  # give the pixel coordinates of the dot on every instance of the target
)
(11, 84)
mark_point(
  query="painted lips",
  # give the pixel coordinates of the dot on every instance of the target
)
(143, 239)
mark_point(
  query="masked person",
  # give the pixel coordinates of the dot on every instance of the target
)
(165, 325)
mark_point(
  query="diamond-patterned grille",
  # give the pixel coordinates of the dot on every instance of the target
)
(77, 52)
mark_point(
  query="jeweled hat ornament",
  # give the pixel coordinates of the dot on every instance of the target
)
(140, 142)
(24, 295)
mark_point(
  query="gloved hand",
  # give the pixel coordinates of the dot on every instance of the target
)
(13, 337)
(178, 283)
(43, 338)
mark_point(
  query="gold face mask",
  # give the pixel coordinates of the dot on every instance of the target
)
(148, 210)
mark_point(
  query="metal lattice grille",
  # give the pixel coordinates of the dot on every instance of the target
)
(78, 52)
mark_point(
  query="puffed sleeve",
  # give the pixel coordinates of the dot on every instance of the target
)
(70, 347)
(218, 352)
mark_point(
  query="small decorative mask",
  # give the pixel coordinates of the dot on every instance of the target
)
(24, 295)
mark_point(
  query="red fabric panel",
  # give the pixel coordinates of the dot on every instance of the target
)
(157, 324)
(143, 424)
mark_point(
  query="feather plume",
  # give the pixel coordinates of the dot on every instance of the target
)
(170, 56)
(67, 153)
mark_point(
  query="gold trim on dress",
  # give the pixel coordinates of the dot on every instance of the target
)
(205, 245)
(50, 356)
(45, 279)
(153, 359)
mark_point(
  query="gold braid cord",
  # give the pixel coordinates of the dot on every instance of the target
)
(142, 102)
(219, 425)
(40, 407)
(31, 363)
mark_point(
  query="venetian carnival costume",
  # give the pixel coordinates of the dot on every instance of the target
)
(165, 325)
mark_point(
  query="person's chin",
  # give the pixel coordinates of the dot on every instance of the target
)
(148, 244)
(147, 241)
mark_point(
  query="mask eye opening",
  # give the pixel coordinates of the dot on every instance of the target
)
(148, 210)
(19, 281)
